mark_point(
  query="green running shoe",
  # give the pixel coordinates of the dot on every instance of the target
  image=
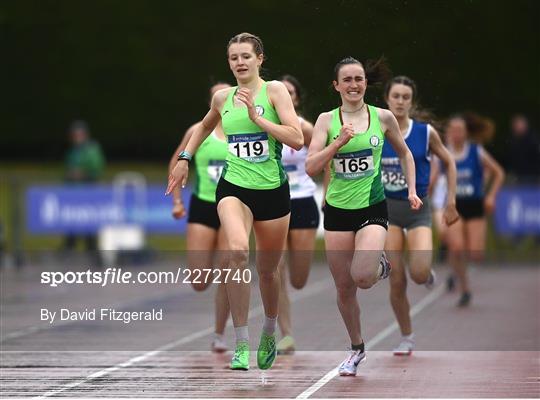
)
(240, 359)
(266, 353)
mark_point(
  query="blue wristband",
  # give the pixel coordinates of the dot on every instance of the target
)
(184, 155)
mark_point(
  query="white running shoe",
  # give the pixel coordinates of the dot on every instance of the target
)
(430, 283)
(405, 347)
(348, 367)
(386, 267)
(219, 345)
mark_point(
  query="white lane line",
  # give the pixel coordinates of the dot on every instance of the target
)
(308, 291)
(418, 307)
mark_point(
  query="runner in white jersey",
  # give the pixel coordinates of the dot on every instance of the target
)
(303, 224)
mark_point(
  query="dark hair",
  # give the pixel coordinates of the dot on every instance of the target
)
(246, 37)
(417, 112)
(297, 87)
(79, 125)
(215, 83)
(377, 71)
(480, 129)
(403, 80)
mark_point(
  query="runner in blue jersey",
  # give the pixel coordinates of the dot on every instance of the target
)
(466, 239)
(409, 228)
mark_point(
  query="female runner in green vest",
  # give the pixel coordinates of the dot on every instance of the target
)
(351, 138)
(205, 240)
(253, 192)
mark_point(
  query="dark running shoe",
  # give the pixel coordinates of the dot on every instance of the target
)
(464, 300)
(450, 283)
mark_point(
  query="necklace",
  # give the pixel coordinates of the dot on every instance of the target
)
(351, 112)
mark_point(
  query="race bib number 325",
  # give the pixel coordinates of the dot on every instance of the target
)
(249, 147)
(393, 180)
(353, 165)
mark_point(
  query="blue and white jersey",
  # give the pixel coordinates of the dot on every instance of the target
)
(470, 173)
(393, 179)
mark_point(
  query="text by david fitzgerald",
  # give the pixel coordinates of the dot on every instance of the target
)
(100, 314)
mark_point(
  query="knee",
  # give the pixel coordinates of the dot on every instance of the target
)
(364, 283)
(476, 256)
(455, 246)
(298, 282)
(363, 279)
(238, 253)
(268, 276)
(199, 287)
(420, 276)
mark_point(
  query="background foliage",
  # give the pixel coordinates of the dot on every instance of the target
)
(138, 71)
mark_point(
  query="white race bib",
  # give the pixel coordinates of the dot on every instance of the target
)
(393, 180)
(249, 147)
(215, 167)
(355, 165)
(293, 176)
(464, 190)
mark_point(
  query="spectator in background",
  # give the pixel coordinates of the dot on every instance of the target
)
(523, 156)
(84, 164)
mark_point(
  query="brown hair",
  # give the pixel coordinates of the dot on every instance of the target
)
(246, 37)
(377, 71)
(480, 129)
(417, 113)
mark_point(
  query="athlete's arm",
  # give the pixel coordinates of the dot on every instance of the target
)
(289, 132)
(179, 210)
(326, 182)
(437, 147)
(497, 172)
(392, 133)
(179, 174)
(307, 131)
(319, 155)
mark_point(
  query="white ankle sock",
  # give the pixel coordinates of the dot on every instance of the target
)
(242, 334)
(408, 337)
(269, 326)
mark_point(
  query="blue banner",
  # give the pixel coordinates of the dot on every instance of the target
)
(518, 211)
(86, 208)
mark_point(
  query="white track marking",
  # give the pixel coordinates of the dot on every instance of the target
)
(418, 307)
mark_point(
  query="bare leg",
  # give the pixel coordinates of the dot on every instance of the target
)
(369, 245)
(301, 243)
(270, 236)
(236, 221)
(456, 245)
(201, 242)
(398, 279)
(221, 300)
(420, 245)
(284, 317)
(339, 251)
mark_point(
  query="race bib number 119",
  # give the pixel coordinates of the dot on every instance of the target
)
(249, 147)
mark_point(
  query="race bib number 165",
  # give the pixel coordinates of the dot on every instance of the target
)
(353, 165)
